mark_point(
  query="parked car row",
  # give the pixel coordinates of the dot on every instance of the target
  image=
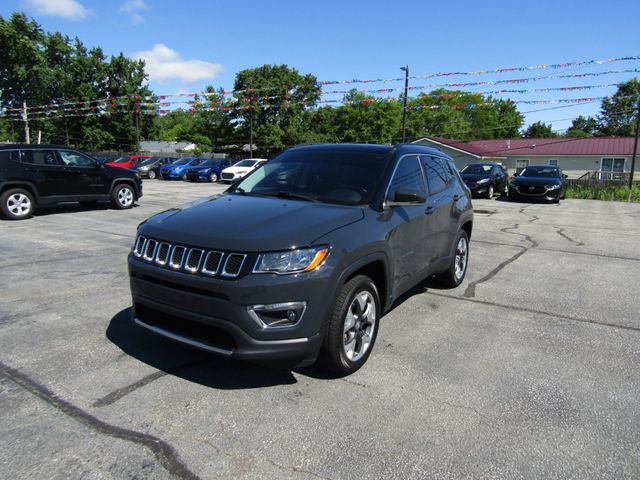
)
(535, 182)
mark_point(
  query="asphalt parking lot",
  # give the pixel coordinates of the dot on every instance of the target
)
(530, 369)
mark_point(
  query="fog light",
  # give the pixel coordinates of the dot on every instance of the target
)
(277, 314)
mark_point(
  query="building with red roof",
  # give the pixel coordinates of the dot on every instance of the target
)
(575, 156)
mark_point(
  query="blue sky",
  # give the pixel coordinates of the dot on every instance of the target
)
(190, 44)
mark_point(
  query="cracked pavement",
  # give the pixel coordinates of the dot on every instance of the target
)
(528, 370)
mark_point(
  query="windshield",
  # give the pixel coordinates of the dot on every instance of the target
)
(209, 163)
(545, 172)
(475, 168)
(196, 161)
(147, 161)
(121, 160)
(180, 161)
(344, 177)
(245, 163)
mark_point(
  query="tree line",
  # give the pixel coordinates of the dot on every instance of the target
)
(275, 106)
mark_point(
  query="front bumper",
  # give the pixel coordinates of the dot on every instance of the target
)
(546, 195)
(211, 313)
(197, 176)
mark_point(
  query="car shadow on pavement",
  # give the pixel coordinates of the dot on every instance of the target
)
(45, 210)
(189, 363)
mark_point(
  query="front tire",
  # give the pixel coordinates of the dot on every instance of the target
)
(490, 192)
(184, 177)
(353, 327)
(454, 275)
(213, 177)
(17, 204)
(152, 174)
(123, 196)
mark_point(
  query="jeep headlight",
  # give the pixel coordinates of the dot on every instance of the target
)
(291, 261)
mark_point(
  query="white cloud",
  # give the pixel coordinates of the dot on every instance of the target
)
(69, 9)
(133, 8)
(162, 63)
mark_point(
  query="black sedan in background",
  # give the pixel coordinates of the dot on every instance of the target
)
(484, 179)
(541, 182)
(150, 167)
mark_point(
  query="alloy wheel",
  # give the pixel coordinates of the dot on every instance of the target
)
(461, 258)
(19, 204)
(359, 326)
(125, 196)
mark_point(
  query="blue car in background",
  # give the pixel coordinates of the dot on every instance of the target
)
(178, 169)
(209, 170)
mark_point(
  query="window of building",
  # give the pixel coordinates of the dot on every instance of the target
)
(554, 162)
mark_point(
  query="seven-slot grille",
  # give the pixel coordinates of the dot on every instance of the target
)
(191, 260)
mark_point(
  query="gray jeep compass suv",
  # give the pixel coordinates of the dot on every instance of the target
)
(300, 259)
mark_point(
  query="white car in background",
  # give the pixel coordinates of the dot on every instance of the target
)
(240, 169)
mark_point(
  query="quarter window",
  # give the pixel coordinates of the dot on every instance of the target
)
(407, 177)
(437, 175)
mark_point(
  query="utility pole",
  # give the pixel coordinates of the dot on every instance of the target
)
(404, 101)
(25, 118)
(137, 114)
(66, 124)
(635, 150)
(250, 121)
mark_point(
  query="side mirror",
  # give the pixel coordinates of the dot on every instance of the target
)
(405, 197)
(515, 174)
(564, 175)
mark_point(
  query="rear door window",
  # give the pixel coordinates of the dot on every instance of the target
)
(437, 174)
(40, 157)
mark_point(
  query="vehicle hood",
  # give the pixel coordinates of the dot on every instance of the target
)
(249, 224)
(237, 169)
(535, 181)
(473, 177)
(175, 167)
(201, 168)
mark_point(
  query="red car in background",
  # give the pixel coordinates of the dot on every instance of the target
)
(128, 161)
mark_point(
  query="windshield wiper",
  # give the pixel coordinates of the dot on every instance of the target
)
(289, 195)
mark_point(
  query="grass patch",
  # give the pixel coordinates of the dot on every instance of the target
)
(609, 193)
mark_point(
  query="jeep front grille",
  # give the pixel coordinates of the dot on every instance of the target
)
(191, 260)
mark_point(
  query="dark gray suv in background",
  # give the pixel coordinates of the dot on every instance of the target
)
(300, 259)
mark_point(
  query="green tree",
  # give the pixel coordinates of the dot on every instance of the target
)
(49, 69)
(363, 119)
(618, 114)
(582, 127)
(462, 115)
(539, 130)
(274, 99)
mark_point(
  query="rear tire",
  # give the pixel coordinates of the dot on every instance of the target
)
(17, 204)
(454, 275)
(123, 196)
(353, 327)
